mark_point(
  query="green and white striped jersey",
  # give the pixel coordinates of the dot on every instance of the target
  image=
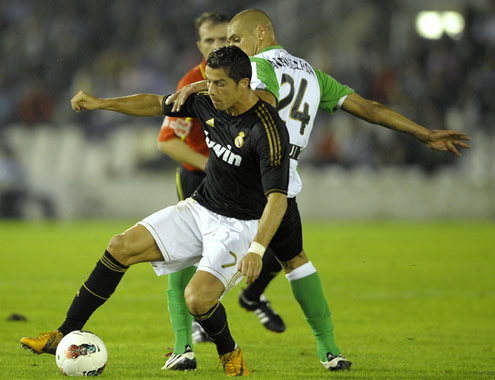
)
(303, 89)
(263, 76)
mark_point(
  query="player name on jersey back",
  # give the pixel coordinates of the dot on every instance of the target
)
(291, 63)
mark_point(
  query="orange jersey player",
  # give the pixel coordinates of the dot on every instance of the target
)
(187, 129)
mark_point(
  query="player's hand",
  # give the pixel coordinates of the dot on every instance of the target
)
(250, 266)
(180, 97)
(447, 141)
(84, 101)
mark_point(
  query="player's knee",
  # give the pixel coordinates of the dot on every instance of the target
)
(117, 248)
(193, 301)
(197, 302)
(296, 262)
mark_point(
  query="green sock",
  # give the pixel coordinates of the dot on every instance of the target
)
(309, 293)
(180, 317)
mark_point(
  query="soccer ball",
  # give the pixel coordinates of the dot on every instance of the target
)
(81, 353)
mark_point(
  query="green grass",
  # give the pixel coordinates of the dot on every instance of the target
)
(408, 300)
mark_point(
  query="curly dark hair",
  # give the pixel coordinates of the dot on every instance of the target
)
(233, 60)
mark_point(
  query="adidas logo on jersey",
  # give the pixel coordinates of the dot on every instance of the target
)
(222, 152)
(211, 122)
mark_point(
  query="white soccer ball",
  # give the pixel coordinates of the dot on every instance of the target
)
(81, 353)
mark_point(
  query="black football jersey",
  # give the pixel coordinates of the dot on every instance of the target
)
(249, 156)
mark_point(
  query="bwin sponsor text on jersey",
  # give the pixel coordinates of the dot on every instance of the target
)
(222, 152)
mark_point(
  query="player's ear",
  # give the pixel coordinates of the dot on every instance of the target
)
(260, 32)
(244, 82)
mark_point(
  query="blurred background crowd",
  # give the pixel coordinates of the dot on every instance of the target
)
(56, 163)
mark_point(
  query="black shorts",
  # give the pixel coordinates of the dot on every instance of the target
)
(287, 242)
(187, 182)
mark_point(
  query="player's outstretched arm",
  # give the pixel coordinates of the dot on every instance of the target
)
(447, 141)
(180, 97)
(274, 211)
(133, 105)
(376, 113)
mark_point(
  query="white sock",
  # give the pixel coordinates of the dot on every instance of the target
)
(300, 272)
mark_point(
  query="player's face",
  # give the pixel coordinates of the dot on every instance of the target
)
(223, 91)
(240, 36)
(211, 37)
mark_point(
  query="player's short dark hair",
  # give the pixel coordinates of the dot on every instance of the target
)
(233, 60)
(213, 18)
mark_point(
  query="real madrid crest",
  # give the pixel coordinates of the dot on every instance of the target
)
(239, 140)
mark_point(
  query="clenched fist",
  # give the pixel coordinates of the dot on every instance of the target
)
(84, 101)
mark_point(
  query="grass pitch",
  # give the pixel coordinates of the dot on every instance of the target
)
(408, 300)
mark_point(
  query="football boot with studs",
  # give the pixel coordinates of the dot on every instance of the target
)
(233, 363)
(181, 362)
(45, 343)
(336, 362)
(262, 309)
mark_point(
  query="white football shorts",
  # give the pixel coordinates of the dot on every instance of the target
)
(189, 234)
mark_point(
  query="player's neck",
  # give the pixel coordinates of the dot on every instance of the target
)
(244, 103)
(265, 44)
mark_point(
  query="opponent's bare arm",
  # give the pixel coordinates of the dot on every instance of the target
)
(376, 113)
(267, 96)
(179, 98)
(274, 211)
(179, 151)
(133, 105)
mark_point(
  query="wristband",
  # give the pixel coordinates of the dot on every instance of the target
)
(257, 248)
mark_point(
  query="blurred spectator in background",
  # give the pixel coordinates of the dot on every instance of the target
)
(35, 106)
(13, 185)
(49, 48)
